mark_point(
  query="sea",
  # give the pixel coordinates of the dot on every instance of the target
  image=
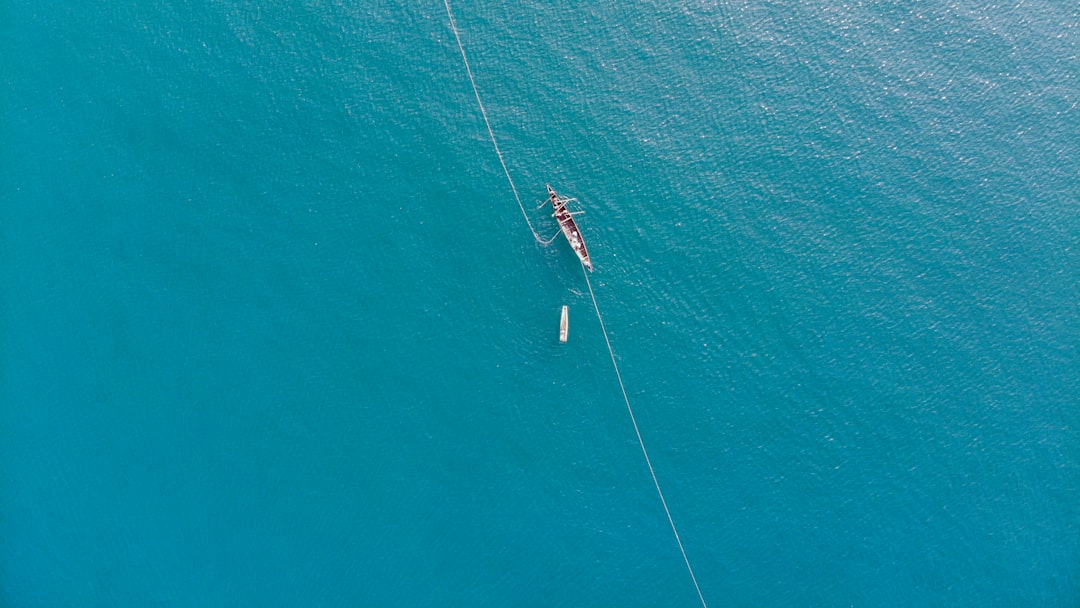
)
(274, 330)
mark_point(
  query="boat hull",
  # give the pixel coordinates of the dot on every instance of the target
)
(569, 227)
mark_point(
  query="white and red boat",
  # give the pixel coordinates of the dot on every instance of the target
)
(569, 227)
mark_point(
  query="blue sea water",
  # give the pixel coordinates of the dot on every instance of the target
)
(273, 331)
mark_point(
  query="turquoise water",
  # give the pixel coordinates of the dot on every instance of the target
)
(273, 330)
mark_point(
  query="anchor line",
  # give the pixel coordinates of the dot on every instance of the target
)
(487, 122)
(599, 317)
(641, 442)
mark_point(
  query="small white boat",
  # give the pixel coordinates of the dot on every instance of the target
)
(564, 323)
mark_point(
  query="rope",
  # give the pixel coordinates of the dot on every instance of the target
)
(472, 80)
(536, 235)
(641, 442)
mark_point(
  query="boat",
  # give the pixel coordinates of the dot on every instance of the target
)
(569, 226)
(564, 323)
